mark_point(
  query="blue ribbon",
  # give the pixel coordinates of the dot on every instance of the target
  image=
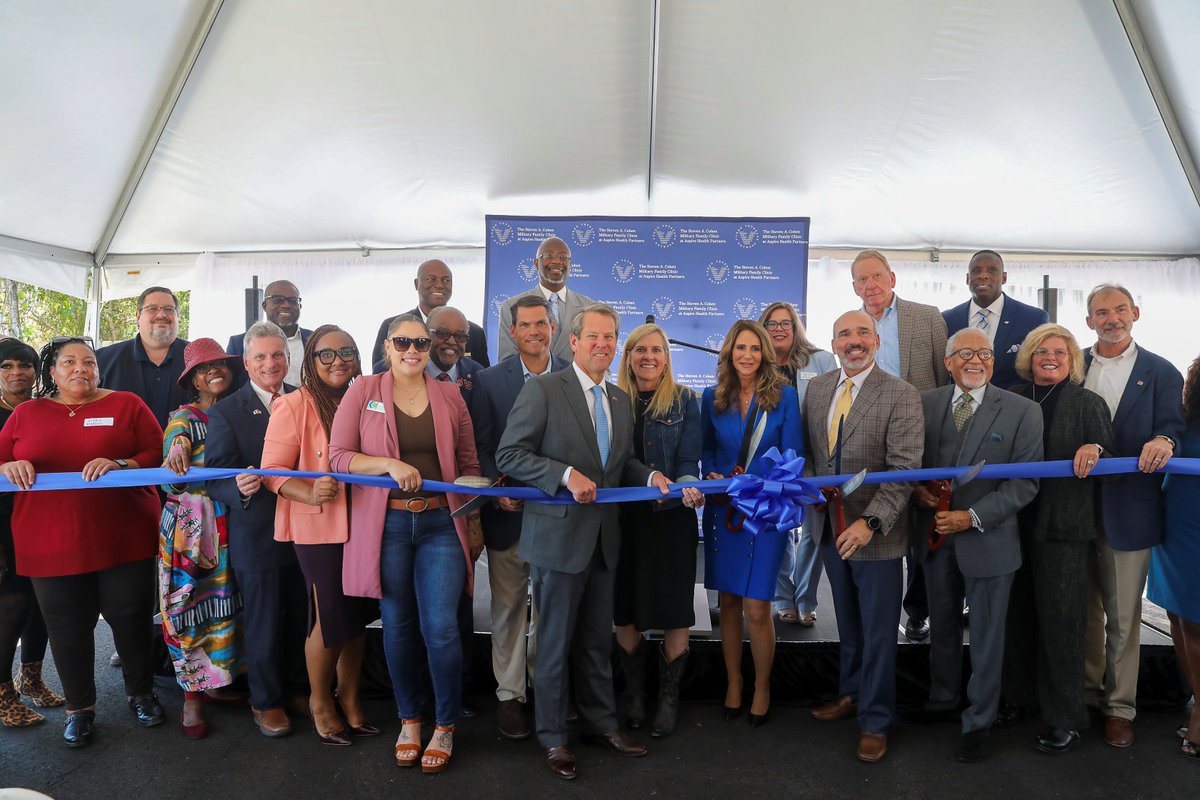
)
(777, 498)
(783, 474)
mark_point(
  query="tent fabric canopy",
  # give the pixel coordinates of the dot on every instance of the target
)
(1022, 125)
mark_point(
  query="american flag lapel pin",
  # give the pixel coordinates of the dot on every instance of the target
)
(1140, 383)
(256, 411)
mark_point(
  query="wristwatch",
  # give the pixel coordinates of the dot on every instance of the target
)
(874, 523)
(121, 463)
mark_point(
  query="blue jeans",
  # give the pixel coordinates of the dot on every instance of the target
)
(423, 572)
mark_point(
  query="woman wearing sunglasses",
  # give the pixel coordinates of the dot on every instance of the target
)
(404, 548)
(88, 551)
(314, 515)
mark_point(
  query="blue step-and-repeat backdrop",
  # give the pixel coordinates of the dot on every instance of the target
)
(695, 275)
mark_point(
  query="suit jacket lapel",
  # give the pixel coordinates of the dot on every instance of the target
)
(515, 376)
(252, 404)
(904, 339)
(980, 424)
(573, 393)
(822, 395)
(866, 394)
(1004, 328)
(620, 426)
(1139, 379)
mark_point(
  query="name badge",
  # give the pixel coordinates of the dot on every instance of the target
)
(376, 406)
(808, 376)
(98, 422)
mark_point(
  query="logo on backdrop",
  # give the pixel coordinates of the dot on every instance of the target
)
(714, 341)
(717, 271)
(746, 308)
(527, 269)
(498, 304)
(583, 234)
(623, 270)
(662, 308)
(502, 233)
(663, 235)
(746, 236)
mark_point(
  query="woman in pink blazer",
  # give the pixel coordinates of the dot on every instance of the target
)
(314, 515)
(404, 548)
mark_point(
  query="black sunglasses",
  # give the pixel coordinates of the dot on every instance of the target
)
(73, 340)
(443, 333)
(327, 355)
(402, 343)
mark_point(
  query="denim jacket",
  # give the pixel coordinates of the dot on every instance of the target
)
(672, 443)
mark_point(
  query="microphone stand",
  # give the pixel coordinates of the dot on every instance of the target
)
(689, 345)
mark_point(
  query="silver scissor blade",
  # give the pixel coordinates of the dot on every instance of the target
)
(849, 486)
(967, 475)
(473, 482)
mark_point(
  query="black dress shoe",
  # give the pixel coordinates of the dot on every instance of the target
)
(147, 709)
(1011, 715)
(468, 711)
(1056, 740)
(975, 746)
(916, 630)
(79, 728)
(617, 742)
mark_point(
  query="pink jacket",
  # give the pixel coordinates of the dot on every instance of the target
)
(296, 440)
(359, 429)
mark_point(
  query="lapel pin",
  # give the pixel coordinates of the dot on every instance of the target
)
(1140, 383)
(256, 412)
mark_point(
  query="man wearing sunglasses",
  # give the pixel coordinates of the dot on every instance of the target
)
(149, 364)
(281, 304)
(435, 286)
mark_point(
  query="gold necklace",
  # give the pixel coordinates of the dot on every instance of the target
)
(6, 404)
(74, 410)
(412, 399)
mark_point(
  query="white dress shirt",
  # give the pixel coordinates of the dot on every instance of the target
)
(1108, 377)
(996, 309)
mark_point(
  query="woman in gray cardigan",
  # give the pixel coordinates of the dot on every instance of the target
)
(1044, 658)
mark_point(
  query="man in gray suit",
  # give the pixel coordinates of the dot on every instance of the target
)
(965, 423)
(553, 262)
(912, 337)
(575, 429)
(882, 427)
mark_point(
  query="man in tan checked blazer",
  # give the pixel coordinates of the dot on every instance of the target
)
(882, 428)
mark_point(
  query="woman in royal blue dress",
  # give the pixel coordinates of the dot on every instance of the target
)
(749, 411)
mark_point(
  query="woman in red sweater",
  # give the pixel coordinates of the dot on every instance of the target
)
(88, 551)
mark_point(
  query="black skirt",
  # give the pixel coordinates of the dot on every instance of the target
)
(342, 618)
(656, 573)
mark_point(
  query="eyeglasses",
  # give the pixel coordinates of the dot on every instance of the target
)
(563, 257)
(402, 343)
(966, 354)
(73, 340)
(1042, 352)
(282, 300)
(346, 354)
(156, 310)
(442, 333)
(780, 324)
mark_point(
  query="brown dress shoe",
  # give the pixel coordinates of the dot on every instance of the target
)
(617, 742)
(272, 723)
(872, 747)
(842, 708)
(1118, 732)
(514, 721)
(561, 762)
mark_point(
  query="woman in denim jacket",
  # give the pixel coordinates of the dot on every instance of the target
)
(656, 571)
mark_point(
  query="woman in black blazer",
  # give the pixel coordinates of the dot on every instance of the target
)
(1044, 658)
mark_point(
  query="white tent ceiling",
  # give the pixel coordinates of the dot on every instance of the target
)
(1021, 125)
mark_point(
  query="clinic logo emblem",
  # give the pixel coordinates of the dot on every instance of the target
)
(623, 270)
(718, 272)
(663, 235)
(527, 269)
(502, 233)
(662, 308)
(714, 341)
(498, 306)
(746, 308)
(583, 234)
(746, 236)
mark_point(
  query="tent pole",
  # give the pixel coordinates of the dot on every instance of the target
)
(186, 63)
(1158, 90)
(95, 303)
(653, 121)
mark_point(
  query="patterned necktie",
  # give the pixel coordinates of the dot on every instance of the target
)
(554, 308)
(962, 411)
(601, 425)
(445, 376)
(982, 323)
(839, 412)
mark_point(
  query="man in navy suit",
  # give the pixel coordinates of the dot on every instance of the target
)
(496, 389)
(1144, 392)
(149, 364)
(274, 598)
(435, 286)
(1005, 321)
(281, 304)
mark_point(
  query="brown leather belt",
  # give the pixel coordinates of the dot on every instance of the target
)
(419, 504)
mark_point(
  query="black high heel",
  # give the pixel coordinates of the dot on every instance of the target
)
(731, 713)
(758, 720)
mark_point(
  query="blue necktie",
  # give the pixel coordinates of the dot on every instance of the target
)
(982, 323)
(554, 308)
(601, 425)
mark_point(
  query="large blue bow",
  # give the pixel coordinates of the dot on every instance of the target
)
(777, 498)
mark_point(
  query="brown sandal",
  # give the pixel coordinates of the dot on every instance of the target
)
(408, 745)
(443, 736)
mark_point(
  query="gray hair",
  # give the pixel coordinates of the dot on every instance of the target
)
(595, 308)
(950, 343)
(1108, 287)
(265, 330)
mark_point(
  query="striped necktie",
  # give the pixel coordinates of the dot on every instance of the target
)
(982, 322)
